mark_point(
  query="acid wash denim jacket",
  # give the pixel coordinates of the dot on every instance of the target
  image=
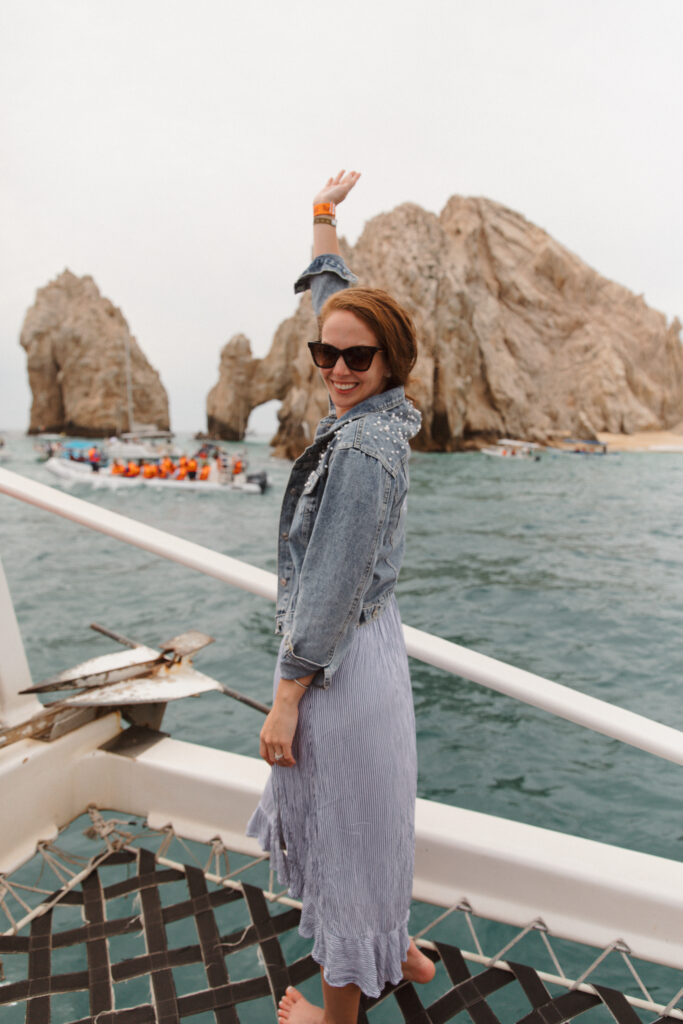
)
(342, 525)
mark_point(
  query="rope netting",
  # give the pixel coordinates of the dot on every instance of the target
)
(134, 936)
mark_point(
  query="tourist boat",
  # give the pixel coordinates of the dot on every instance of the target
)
(145, 442)
(48, 445)
(507, 448)
(579, 446)
(137, 902)
(72, 466)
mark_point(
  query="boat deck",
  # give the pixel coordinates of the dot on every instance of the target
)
(131, 935)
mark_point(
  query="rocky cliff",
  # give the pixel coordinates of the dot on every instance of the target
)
(518, 337)
(76, 343)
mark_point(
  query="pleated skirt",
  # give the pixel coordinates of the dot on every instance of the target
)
(340, 824)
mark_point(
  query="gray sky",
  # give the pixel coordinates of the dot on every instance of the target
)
(171, 149)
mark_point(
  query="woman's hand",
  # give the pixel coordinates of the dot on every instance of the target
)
(337, 188)
(277, 734)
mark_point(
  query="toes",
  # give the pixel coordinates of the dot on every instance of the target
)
(288, 1000)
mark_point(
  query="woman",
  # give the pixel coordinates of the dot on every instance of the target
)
(337, 814)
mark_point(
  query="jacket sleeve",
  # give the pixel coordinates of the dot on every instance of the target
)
(326, 275)
(339, 562)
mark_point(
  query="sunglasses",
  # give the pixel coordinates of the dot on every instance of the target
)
(356, 357)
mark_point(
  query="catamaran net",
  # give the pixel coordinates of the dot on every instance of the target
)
(133, 935)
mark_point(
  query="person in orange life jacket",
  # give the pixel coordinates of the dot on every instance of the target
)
(149, 470)
(133, 468)
(192, 467)
(204, 471)
(94, 458)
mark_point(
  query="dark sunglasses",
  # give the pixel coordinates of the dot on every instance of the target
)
(356, 357)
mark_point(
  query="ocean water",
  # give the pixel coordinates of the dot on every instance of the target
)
(571, 567)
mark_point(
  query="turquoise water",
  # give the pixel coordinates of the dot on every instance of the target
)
(569, 567)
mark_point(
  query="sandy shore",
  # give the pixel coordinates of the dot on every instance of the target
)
(645, 441)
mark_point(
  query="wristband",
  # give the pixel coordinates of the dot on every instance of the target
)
(319, 219)
(324, 209)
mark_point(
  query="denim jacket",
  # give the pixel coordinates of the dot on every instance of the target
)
(342, 525)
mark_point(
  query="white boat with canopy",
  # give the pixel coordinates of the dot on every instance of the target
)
(210, 934)
(72, 466)
(508, 448)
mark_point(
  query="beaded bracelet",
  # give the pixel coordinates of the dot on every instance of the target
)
(299, 683)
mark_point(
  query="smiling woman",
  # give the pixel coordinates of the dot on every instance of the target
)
(337, 814)
(348, 385)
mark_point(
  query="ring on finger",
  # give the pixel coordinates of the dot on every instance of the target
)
(278, 757)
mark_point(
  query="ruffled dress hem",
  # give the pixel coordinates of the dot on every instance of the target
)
(369, 961)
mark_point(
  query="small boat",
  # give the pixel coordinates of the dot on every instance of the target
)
(142, 443)
(507, 448)
(48, 445)
(73, 466)
(579, 446)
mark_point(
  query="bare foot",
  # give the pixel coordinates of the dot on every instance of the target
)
(416, 966)
(294, 1009)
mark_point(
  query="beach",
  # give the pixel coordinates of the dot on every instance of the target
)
(645, 441)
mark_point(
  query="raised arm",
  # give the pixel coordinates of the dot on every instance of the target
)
(325, 202)
(327, 273)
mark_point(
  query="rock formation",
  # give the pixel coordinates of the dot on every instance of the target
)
(76, 343)
(519, 337)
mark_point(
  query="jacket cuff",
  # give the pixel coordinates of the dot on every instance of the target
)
(328, 263)
(291, 667)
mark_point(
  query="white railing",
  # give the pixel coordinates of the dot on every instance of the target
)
(598, 715)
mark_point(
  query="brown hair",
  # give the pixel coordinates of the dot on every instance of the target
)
(391, 325)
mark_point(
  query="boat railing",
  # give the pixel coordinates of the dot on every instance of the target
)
(539, 884)
(559, 700)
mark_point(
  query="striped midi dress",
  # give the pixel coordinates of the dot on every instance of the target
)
(339, 825)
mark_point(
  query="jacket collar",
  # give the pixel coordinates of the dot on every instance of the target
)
(394, 398)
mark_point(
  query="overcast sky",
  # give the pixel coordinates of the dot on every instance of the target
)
(171, 149)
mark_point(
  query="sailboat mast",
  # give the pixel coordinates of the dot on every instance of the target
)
(129, 384)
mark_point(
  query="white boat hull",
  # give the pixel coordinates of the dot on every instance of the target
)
(82, 472)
